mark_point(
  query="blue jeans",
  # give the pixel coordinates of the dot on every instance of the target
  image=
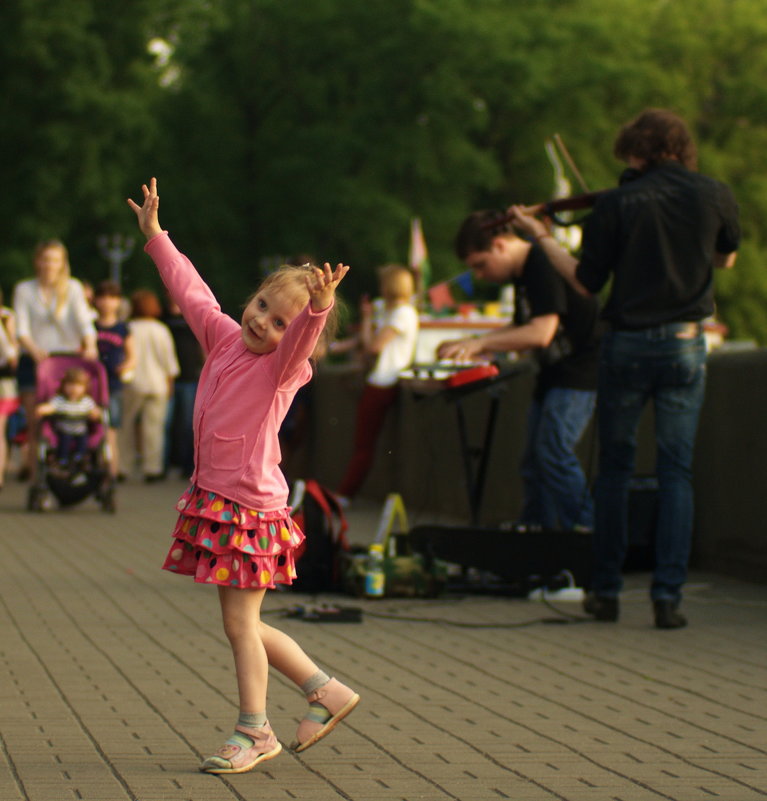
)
(71, 445)
(556, 490)
(665, 364)
(179, 434)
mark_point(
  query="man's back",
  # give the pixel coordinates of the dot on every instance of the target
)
(657, 235)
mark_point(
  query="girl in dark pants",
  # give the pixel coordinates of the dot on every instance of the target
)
(391, 339)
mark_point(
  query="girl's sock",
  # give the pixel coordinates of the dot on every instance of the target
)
(249, 721)
(319, 679)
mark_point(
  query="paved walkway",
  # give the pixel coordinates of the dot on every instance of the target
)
(116, 679)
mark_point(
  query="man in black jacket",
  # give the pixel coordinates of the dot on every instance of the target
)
(658, 236)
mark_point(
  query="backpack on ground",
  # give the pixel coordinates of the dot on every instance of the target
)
(321, 557)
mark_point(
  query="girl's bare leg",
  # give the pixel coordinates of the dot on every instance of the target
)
(255, 646)
(3, 448)
(286, 655)
(253, 740)
(114, 456)
(329, 700)
(241, 612)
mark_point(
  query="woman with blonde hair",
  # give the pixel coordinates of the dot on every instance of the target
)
(52, 316)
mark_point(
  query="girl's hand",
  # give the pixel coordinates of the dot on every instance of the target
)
(322, 285)
(147, 214)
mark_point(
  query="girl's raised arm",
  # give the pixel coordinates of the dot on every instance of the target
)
(148, 213)
(322, 284)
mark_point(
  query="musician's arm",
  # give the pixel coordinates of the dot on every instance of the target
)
(561, 259)
(563, 262)
(725, 261)
(537, 333)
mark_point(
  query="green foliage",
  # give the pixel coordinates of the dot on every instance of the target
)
(77, 93)
(282, 127)
(333, 143)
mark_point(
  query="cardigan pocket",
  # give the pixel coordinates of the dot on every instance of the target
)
(227, 453)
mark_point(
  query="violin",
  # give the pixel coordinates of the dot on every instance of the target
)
(574, 203)
(550, 208)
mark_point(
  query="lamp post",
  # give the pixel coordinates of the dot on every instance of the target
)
(116, 249)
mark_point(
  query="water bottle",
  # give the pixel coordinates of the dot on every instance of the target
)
(374, 571)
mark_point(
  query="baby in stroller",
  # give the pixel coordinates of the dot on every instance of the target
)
(72, 417)
(71, 411)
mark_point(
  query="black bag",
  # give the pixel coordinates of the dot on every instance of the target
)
(320, 558)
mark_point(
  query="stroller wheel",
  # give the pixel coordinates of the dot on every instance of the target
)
(37, 499)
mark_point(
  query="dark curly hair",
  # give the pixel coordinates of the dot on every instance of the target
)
(654, 135)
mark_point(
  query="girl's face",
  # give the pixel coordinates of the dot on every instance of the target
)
(74, 390)
(107, 305)
(48, 265)
(267, 317)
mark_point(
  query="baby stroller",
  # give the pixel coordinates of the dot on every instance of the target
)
(91, 476)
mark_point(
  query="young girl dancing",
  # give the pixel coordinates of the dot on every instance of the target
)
(234, 527)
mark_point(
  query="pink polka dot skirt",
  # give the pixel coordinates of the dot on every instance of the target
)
(219, 542)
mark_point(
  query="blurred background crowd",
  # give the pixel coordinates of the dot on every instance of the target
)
(152, 363)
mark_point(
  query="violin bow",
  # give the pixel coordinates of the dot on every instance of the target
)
(551, 207)
(560, 145)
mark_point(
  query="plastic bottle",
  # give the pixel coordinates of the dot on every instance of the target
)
(374, 571)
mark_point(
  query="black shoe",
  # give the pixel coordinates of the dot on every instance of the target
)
(601, 607)
(153, 478)
(666, 615)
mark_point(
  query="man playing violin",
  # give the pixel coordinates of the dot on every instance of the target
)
(560, 325)
(658, 237)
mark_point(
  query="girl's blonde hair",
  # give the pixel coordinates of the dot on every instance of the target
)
(396, 283)
(292, 279)
(62, 282)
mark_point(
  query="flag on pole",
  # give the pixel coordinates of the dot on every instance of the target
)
(418, 258)
(466, 282)
(569, 236)
(440, 296)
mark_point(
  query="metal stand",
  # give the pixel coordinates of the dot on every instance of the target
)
(476, 457)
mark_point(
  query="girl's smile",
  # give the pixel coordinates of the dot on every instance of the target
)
(266, 318)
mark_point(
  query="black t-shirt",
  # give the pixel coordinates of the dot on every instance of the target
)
(111, 344)
(657, 236)
(540, 290)
(188, 350)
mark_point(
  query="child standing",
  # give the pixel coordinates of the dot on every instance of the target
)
(146, 395)
(72, 409)
(391, 340)
(115, 345)
(234, 527)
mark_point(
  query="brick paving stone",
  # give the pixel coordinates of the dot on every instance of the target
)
(118, 679)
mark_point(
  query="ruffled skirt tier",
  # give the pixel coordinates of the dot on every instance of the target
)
(220, 542)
